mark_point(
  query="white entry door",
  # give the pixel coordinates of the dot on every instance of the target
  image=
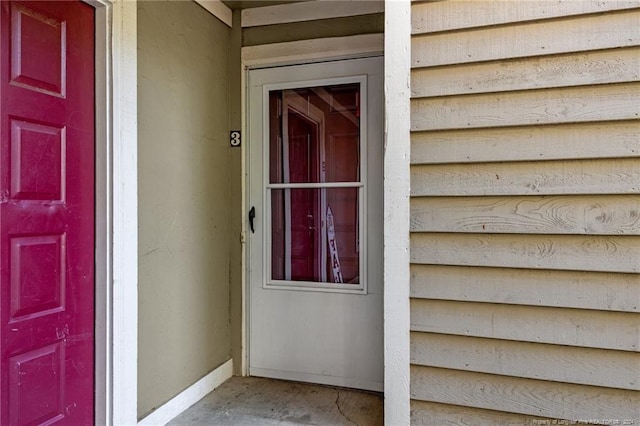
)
(315, 308)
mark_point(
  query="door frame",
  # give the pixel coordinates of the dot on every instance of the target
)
(274, 55)
(396, 188)
(279, 54)
(116, 275)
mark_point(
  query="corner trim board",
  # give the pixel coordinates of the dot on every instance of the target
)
(123, 320)
(185, 399)
(397, 65)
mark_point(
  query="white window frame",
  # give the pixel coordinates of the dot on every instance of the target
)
(268, 283)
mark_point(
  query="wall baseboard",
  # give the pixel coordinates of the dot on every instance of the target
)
(185, 399)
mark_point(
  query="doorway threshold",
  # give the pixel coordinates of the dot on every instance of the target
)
(258, 401)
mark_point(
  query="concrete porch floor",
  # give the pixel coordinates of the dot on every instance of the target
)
(256, 401)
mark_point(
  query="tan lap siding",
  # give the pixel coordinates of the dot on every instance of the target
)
(525, 212)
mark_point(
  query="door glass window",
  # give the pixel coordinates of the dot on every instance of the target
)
(315, 187)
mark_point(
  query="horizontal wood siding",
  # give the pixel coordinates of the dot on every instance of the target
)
(615, 369)
(601, 291)
(456, 15)
(538, 72)
(540, 38)
(597, 177)
(570, 327)
(565, 252)
(518, 395)
(565, 214)
(526, 143)
(430, 413)
(525, 212)
(528, 108)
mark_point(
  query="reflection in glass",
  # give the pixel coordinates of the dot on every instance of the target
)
(315, 134)
(315, 235)
(314, 139)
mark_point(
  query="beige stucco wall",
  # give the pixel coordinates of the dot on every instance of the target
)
(184, 198)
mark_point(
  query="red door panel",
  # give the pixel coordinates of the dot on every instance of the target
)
(46, 212)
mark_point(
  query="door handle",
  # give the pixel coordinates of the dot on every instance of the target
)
(252, 215)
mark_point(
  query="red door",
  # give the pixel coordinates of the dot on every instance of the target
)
(46, 213)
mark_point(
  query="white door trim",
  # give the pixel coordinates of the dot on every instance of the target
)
(103, 258)
(124, 319)
(397, 64)
(116, 308)
(313, 50)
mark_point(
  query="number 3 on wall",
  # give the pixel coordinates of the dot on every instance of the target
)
(234, 137)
